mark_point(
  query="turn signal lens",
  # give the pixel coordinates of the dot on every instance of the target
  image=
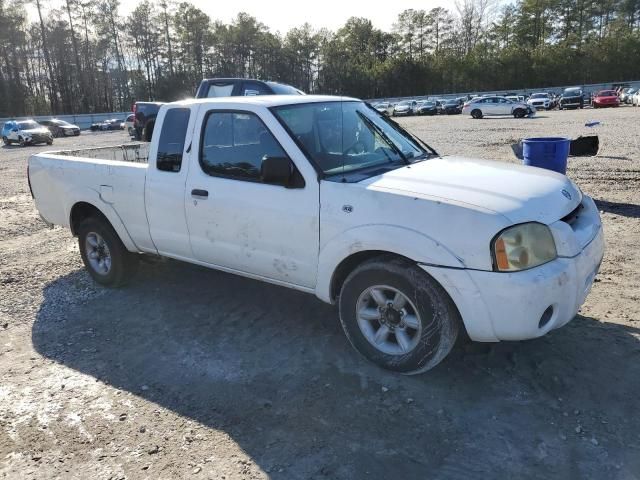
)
(522, 247)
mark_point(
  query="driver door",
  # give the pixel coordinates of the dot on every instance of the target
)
(236, 221)
(504, 106)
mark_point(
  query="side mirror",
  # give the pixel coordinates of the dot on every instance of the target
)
(276, 170)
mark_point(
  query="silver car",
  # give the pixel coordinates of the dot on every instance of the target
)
(407, 107)
(488, 106)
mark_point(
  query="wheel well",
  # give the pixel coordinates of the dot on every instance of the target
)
(80, 212)
(350, 263)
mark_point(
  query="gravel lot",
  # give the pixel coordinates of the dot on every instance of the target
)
(193, 373)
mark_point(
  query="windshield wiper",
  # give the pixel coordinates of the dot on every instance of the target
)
(384, 136)
(398, 127)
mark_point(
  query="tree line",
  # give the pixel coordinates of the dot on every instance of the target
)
(86, 57)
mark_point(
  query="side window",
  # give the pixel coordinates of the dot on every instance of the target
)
(172, 138)
(254, 88)
(233, 145)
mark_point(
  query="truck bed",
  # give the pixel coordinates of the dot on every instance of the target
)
(110, 178)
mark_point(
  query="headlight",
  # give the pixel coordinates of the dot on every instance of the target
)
(522, 247)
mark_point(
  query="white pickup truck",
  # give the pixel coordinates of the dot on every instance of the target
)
(328, 196)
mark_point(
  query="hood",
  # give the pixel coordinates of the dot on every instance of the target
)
(402, 107)
(36, 131)
(518, 193)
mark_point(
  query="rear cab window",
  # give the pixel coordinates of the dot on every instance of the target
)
(172, 139)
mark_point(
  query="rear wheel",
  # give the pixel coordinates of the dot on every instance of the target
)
(519, 113)
(397, 316)
(477, 114)
(104, 255)
(22, 142)
(6, 141)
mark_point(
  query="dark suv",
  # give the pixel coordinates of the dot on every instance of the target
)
(144, 118)
(240, 87)
(571, 98)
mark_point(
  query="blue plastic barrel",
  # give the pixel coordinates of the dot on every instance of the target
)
(546, 152)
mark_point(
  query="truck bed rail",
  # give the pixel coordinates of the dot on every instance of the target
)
(133, 152)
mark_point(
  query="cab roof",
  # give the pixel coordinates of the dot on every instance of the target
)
(267, 100)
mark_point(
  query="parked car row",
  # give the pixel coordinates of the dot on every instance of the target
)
(110, 124)
(451, 106)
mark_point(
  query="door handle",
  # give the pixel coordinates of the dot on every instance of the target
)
(196, 192)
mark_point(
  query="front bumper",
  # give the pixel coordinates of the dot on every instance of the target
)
(401, 112)
(571, 102)
(510, 306)
(38, 138)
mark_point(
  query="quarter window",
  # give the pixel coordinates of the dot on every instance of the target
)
(172, 138)
(234, 144)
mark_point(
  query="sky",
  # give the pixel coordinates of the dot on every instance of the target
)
(281, 15)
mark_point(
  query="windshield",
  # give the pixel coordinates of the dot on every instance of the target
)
(572, 91)
(28, 125)
(539, 95)
(341, 137)
(452, 102)
(282, 89)
(607, 93)
(61, 122)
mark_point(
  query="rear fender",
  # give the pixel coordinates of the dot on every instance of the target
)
(95, 199)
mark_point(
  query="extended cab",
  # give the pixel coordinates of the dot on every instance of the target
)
(328, 196)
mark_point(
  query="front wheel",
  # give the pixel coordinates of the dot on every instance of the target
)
(397, 316)
(104, 255)
(6, 141)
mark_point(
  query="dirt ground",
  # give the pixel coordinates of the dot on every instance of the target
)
(191, 373)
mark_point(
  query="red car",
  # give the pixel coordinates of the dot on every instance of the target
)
(606, 98)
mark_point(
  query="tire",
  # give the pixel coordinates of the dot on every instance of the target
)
(122, 264)
(477, 114)
(50, 142)
(519, 113)
(22, 142)
(6, 141)
(430, 308)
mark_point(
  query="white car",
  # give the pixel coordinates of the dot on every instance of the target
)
(635, 99)
(405, 108)
(486, 106)
(128, 124)
(327, 196)
(540, 101)
(25, 132)
(385, 108)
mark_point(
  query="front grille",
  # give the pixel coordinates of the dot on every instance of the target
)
(572, 217)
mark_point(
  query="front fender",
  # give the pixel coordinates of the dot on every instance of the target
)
(387, 238)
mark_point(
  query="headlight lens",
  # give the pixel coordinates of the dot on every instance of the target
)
(522, 247)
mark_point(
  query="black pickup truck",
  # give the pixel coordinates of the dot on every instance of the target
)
(241, 87)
